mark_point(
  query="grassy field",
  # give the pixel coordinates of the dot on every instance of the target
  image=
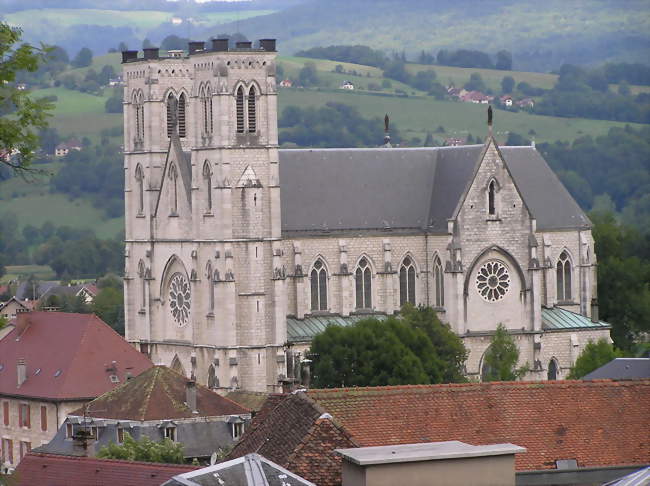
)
(41, 272)
(63, 17)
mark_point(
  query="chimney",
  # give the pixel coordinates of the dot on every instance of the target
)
(267, 44)
(129, 56)
(220, 45)
(196, 46)
(151, 53)
(244, 45)
(21, 369)
(594, 310)
(190, 395)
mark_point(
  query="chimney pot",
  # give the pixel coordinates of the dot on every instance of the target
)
(244, 45)
(267, 44)
(151, 53)
(196, 46)
(190, 395)
(21, 369)
(129, 56)
(220, 45)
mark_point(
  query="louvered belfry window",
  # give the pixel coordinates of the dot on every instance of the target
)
(252, 115)
(170, 114)
(181, 115)
(240, 110)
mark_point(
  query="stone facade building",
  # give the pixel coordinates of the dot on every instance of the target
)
(230, 240)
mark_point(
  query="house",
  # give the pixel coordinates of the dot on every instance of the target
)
(116, 82)
(33, 290)
(454, 142)
(286, 83)
(87, 291)
(599, 425)
(176, 20)
(622, 369)
(249, 470)
(475, 97)
(506, 100)
(347, 85)
(21, 86)
(51, 363)
(64, 148)
(158, 403)
(54, 470)
(13, 306)
(526, 103)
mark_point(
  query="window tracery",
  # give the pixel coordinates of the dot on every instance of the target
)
(407, 282)
(318, 279)
(363, 285)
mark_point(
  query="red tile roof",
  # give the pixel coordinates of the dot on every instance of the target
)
(598, 423)
(75, 353)
(159, 393)
(54, 470)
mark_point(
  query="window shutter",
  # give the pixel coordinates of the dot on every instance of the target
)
(20, 415)
(5, 410)
(44, 418)
(10, 446)
(28, 419)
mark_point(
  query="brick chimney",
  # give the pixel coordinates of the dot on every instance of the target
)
(190, 395)
(21, 371)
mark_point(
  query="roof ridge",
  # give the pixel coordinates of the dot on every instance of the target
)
(147, 393)
(66, 457)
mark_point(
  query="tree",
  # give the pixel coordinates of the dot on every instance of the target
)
(122, 46)
(20, 115)
(501, 358)
(475, 83)
(507, 84)
(113, 104)
(83, 58)
(595, 355)
(308, 75)
(504, 61)
(144, 449)
(414, 349)
(109, 306)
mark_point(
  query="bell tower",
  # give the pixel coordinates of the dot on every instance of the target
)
(202, 285)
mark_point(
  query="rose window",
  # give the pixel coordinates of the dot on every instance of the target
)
(179, 298)
(493, 281)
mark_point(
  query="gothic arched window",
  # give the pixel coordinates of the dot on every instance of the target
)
(212, 377)
(177, 366)
(139, 179)
(173, 194)
(438, 283)
(363, 285)
(138, 108)
(240, 109)
(206, 105)
(141, 275)
(209, 276)
(181, 115)
(492, 199)
(563, 274)
(252, 111)
(207, 178)
(552, 370)
(171, 116)
(407, 282)
(318, 279)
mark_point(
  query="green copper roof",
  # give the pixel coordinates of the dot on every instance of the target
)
(558, 318)
(305, 329)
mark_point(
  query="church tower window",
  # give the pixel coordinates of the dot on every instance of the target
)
(206, 104)
(171, 116)
(138, 108)
(252, 115)
(492, 211)
(212, 378)
(240, 110)
(207, 178)
(181, 115)
(173, 177)
(209, 275)
(407, 282)
(552, 370)
(143, 289)
(319, 287)
(363, 285)
(438, 283)
(563, 273)
(139, 179)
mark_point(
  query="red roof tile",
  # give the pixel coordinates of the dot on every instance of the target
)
(159, 393)
(55, 470)
(74, 353)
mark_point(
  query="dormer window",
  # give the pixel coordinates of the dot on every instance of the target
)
(170, 433)
(237, 430)
(69, 431)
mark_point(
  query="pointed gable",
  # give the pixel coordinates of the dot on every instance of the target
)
(176, 183)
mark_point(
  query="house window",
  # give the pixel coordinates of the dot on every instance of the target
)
(5, 412)
(181, 115)
(407, 282)
(44, 418)
(237, 430)
(363, 285)
(173, 176)
(170, 433)
(240, 109)
(25, 447)
(69, 431)
(552, 370)
(319, 287)
(207, 179)
(23, 415)
(252, 115)
(563, 273)
(139, 179)
(492, 199)
(120, 435)
(7, 451)
(438, 283)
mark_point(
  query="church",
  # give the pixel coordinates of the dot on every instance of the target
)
(237, 252)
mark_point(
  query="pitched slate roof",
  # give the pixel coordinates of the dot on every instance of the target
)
(159, 393)
(622, 369)
(55, 470)
(250, 470)
(68, 356)
(407, 188)
(597, 423)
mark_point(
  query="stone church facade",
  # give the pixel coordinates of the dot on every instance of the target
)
(230, 240)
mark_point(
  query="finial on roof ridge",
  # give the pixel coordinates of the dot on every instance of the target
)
(387, 143)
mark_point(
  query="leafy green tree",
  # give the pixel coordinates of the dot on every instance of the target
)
(413, 349)
(504, 60)
(308, 75)
(507, 84)
(109, 306)
(83, 58)
(20, 115)
(501, 358)
(595, 355)
(3, 321)
(144, 449)
(475, 83)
